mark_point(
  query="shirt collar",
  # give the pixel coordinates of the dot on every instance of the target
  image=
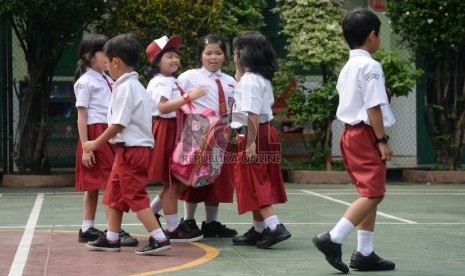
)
(125, 77)
(359, 52)
(94, 73)
(216, 74)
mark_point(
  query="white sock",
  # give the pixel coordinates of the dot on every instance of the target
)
(211, 213)
(158, 234)
(156, 204)
(272, 221)
(189, 210)
(172, 222)
(86, 224)
(341, 230)
(365, 242)
(112, 236)
(259, 225)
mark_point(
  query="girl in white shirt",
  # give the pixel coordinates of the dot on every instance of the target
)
(211, 57)
(258, 180)
(92, 88)
(167, 96)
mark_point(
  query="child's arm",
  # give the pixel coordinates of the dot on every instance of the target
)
(166, 106)
(88, 158)
(252, 131)
(376, 120)
(109, 133)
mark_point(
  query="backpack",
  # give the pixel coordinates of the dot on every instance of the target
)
(201, 141)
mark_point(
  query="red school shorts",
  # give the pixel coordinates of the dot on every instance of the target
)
(362, 160)
(128, 180)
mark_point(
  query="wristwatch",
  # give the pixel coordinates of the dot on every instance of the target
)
(383, 140)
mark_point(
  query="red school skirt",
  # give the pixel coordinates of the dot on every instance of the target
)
(222, 190)
(164, 133)
(260, 183)
(94, 178)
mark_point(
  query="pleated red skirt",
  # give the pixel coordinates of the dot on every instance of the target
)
(260, 183)
(94, 178)
(164, 133)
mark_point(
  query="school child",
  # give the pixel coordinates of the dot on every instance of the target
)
(92, 88)
(258, 180)
(129, 120)
(167, 96)
(364, 109)
(220, 86)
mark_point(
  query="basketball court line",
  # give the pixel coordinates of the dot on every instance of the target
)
(348, 204)
(20, 259)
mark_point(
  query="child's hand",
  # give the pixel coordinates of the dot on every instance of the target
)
(89, 146)
(250, 152)
(197, 92)
(386, 151)
(88, 159)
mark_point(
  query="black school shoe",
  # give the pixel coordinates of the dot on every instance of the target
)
(216, 229)
(331, 250)
(102, 244)
(190, 224)
(271, 237)
(183, 234)
(154, 246)
(371, 262)
(250, 237)
(126, 239)
(90, 235)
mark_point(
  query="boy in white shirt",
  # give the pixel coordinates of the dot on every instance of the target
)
(129, 128)
(364, 110)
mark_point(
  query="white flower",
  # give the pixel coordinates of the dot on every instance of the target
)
(446, 14)
(407, 13)
(430, 21)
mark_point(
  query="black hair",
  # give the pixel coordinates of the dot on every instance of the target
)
(208, 39)
(357, 26)
(256, 54)
(153, 69)
(124, 46)
(89, 45)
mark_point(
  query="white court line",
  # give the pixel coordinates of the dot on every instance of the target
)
(348, 204)
(23, 249)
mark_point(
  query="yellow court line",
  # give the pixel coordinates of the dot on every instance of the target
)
(211, 253)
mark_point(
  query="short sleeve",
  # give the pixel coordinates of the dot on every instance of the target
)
(82, 93)
(251, 96)
(374, 92)
(121, 110)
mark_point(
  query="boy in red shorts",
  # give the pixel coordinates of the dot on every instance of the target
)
(364, 109)
(129, 128)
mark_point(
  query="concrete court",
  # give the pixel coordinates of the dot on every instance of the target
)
(420, 227)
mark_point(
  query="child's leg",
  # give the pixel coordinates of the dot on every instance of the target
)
(170, 204)
(114, 220)
(89, 208)
(211, 211)
(156, 204)
(189, 210)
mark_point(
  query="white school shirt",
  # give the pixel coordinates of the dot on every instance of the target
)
(253, 94)
(92, 92)
(159, 86)
(130, 107)
(202, 77)
(361, 86)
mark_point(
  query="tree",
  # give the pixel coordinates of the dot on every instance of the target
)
(188, 19)
(43, 29)
(314, 41)
(434, 31)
